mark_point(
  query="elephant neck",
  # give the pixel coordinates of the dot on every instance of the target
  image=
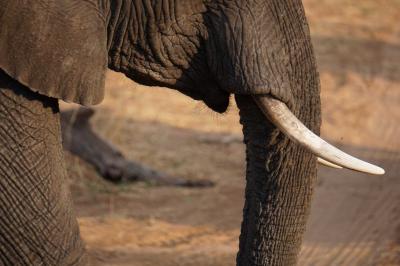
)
(120, 33)
(153, 42)
(280, 179)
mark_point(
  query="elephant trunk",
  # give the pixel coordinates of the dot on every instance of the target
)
(280, 179)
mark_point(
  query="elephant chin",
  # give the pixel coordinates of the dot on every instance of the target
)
(218, 106)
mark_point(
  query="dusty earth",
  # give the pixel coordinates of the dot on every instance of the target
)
(355, 218)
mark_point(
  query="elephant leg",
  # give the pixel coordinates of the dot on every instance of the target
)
(37, 222)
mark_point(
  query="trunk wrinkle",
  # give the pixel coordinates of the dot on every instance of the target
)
(280, 180)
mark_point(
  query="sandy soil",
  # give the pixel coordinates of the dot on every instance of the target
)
(355, 218)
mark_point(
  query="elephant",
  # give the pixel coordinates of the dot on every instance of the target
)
(258, 51)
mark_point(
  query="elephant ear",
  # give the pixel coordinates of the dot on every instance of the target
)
(57, 48)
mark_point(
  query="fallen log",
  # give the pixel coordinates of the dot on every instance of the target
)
(81, 140)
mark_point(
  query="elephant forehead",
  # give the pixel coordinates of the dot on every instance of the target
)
(55, 47)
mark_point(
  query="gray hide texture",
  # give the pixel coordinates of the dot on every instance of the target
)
(55, 47)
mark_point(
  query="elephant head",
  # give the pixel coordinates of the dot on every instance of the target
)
(211, 49)
(260, 51)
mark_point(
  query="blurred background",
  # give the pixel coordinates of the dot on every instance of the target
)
(355, 218)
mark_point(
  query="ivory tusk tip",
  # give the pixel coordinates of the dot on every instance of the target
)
(377, 171)
(369, 168)
(372, 169)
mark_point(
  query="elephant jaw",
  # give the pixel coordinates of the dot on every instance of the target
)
(281, 116)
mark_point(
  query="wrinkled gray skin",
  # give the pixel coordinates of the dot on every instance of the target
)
(205, 49)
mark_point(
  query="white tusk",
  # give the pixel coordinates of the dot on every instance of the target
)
(328, 164)
(281, 116)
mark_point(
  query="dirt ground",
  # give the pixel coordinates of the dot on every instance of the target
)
(355, 218)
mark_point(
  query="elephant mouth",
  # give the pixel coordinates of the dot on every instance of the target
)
(281, 116)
